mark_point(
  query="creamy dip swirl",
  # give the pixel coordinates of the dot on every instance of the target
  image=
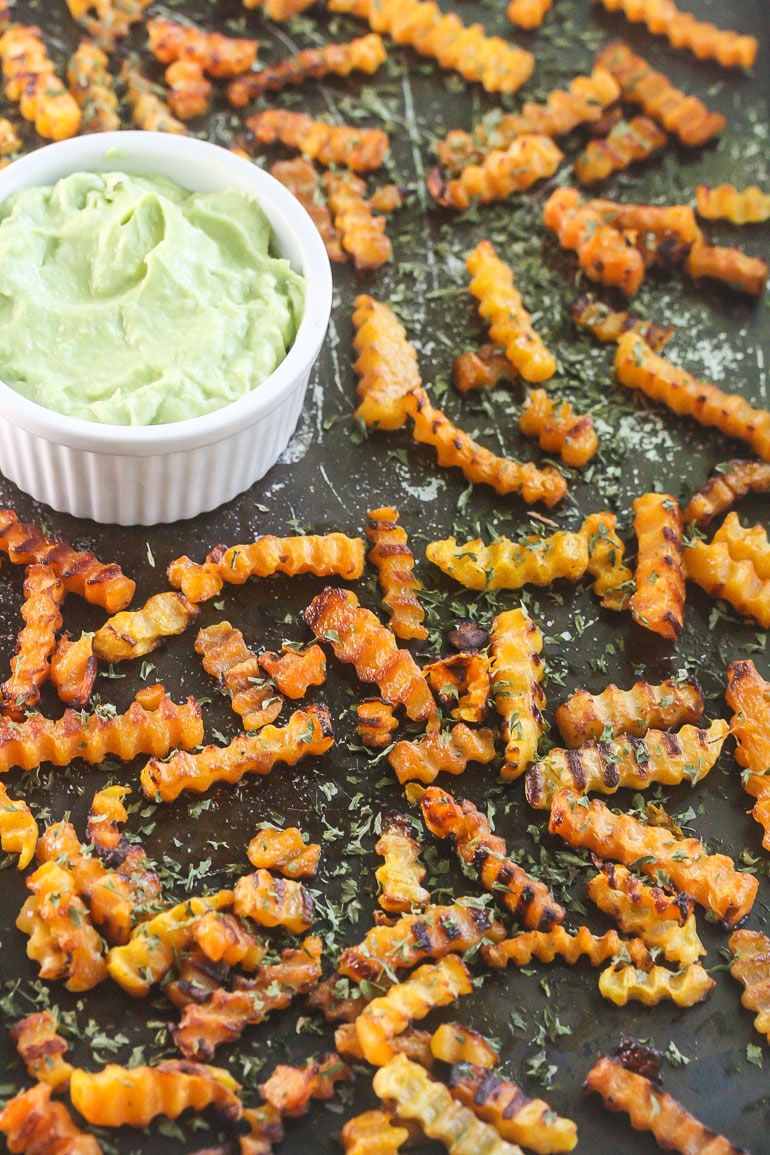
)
(127, 300)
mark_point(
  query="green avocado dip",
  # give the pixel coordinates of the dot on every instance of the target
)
(127, 300)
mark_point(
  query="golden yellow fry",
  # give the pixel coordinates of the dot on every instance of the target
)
(510, 565)
(394, 561)
(559, 429)
(133, 1096)
(751, 966)
(596, 717)
(401, 874)
(386, 365)
(685, 988)
(134, 633)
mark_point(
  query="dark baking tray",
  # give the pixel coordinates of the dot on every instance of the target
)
(551, 1021)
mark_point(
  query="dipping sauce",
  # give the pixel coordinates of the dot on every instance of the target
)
(128, 300)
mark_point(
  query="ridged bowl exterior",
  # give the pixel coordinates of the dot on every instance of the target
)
(164, 473)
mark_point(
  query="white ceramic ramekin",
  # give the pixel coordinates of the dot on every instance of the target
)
(163, 473)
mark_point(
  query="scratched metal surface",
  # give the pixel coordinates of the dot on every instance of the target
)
(551, 1021)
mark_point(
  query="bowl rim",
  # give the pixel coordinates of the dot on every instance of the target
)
(199, 162)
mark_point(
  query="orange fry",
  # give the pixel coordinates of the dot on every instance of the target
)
(307, 732)
(82, 573)
(638, 367)
(528, 14)
(148, 111)
(401, 873)
(731, 266)
(386, 365)
(219, 56)
(495, 63)
(31, 80)
(727, 484)
(44, 593)
(462, 685)
(609, 326)
(657, 602)
(686, 116)
(725, 202)
(301, 178)
(478, 464)
(357, 636)
(18, 829)
(394, 561)
(227, 657)
(359, 149)
(482, 369)
(133, 1096)
(588, 717)
(751, 966)
(41, 1048)
(376, 723)
(361, 233)
(559, 429)
(449, 751)
(364, 54)
(748, 695)
(604, 253)
(285, 851)
(32, 1122)
(526, 160)
(90, 82)
(627, 143)
(682, 30)
(295, 671)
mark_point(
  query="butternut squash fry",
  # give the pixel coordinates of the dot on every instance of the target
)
(608, 325)
(32, 1122)
(627, 143)
(650, 1109)
(134, 633)
(685, 988)
(546, 945)
(18, 829)
(301, 177)
(726, 485)
(497, 64)
(118, 1096)
(730, 265)
(509, 565)
(394, 561)
(710, 878)
(307, 732)
(751, 966)
(612, 578)
(82, 573)
(148, 110)
(502, 307)
(526, 160)
(559, 429)
(359, 149)
(685, 116)
(373, 1133)
(41, 1048)
(737, 582)
(638, 367)
(454, 1043)
(604, 252)
(364, 54)
(362, 234)
(657, 602)
(449, 751)
(32, 81)
(528, 14)
(271, 901)
(739, 206)
(285, 851)
(386, 365)
(290, 1089)
(514, 1116)
(62, 938)
(401, 873)
(682, 30)
(295, 671)
(528, 899)
(219, 56)
(90, 82)
(356, 636)
(462, 685)
(748, 695)
(376, 723)
(588, 717)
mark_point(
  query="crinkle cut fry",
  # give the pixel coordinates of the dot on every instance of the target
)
(650, 1109)
(604, 252)
(133, 1096)
(359, 149)
(730, 265)
(271, 901)
(189, 92)
(82, 573)
(494, 62)
(290, 1089)
(226, 657)
(373, 1133)
(462, 684)
(220, 56)
(413, 1043)
(509, 565)
(44, 594)
(106, 815)
(393, 559)
(711, 879)
(400, 875)
(449, 751)
(559, 429)
(134, 633)
(751, 966)
(516, 676)
(362, 234)
(479, 465)
(746, 543)
(285, 851)
(685, 116)
(587, 717)
(526, 160)
(376, 723)
(455, 1043)
(222, 937)
(223, 1017)
(32, 1122)
(748, 695)
(307, 732)
(148, 111)
(417, 1096)
(279, 10)
(621, 984)
(357, 636)
(736, 581)
(62, 938)
(364, 54)
(386, 365)
(605, 560)
(152, 724)
(435, 932)
(528, 899)
(608, 325)
(502, 307)
(516, 1117)
(583, 102)
(682, 30)
(295, 671)
(301, 178)
(18, 829)
(546, 945)
(739, 206)
(726, 485)
(660, 220)
(432, 985)
(156, 944)
(32, 81)
(664, 920)
(627, 143)
(528, 14)
(41, 1048)
(657, 602)
(482, 369)
(90, 82)
(638, 367)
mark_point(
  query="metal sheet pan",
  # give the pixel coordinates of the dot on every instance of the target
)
(551, 1021)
